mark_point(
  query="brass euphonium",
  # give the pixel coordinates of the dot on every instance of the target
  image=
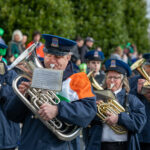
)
(26, 63)
(139, 66)
(111, 105)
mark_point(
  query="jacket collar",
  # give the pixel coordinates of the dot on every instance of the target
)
(68, 71)
(121, 93)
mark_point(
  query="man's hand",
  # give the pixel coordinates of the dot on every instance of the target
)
(24, 86)
(111, 119)
(48, 111)
(139, 88)
(99, 102)
(140, 85)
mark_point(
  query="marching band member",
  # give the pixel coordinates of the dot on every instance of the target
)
(100, 135)
(79, 111)
(9, 130)
(136, 84)
(94, 60)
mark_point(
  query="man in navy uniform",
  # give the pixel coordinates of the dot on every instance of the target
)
(94, 61)
(9, 130)
(136, 84)
(80, 109)
(101, 136)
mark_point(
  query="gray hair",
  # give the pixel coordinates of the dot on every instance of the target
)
(19, 33)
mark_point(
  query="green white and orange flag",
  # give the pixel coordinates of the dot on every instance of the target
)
(76, 87)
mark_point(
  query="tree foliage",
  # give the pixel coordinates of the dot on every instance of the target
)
(103, 20)
(47, 16)
(109, 22)
(113, 22)
(137, 24)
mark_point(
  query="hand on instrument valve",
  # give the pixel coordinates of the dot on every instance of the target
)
(99, 102)
(48, 111)
(24, 86)
(140, 85)
(111, 119)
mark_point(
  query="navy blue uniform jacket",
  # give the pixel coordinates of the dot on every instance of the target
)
(133, 122)
(9, 130)
(144, 136)
(35, 136)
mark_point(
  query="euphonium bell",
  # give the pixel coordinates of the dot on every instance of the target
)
(26, 63)
(109, 104)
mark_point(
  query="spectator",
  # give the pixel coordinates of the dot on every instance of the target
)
(117, 53)
(76, 51)
(39, 49)
(89, 41)
(15, 45)
(24, 40)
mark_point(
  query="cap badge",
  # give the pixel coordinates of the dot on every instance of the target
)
(113, 63)
(96, 54)
(54, 42)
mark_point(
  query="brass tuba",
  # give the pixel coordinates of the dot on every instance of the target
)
(26, 63)
(139, 66)
(109, 104)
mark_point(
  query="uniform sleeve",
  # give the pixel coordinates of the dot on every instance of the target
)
(136, 119)
(82, 110)
(79, 112)
(6, 90)
(14, 108)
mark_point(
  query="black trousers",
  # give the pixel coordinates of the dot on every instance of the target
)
(114, 146)
(145, 146)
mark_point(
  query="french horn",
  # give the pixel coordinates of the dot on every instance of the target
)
(26, 63)
(109, 104)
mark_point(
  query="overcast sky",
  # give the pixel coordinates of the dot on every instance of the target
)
(148, 8)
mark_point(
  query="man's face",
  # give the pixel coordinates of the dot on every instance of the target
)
(114, 78)
(94, 66)
(37, 38)
(147, 69)
(89, 43)
(59, 62)
(80, 43)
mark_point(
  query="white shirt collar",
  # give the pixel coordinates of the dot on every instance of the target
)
(116, 92)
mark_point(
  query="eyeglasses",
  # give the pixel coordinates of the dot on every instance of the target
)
(113, 77)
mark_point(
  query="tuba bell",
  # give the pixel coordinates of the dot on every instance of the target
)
(26, 63)
(139, 66)
(109, 104)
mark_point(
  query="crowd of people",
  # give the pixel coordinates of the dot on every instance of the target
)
(85, 78)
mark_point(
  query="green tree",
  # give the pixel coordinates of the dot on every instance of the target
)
(112, 22)
(103, 20)
(137, 24)
(47, 16)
